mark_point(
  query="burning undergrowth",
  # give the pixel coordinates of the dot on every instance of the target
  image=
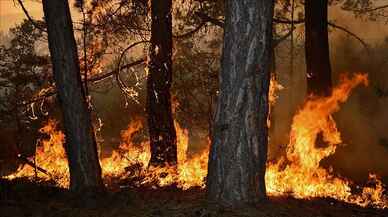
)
(128, 162)
(298, 174)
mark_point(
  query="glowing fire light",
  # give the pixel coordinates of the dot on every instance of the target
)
(190, 172)
(298, 173)
(50, 155)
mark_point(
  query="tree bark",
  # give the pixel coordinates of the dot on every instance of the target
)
(160, 122)
(238, 153)
(80, 144)
(317, 47)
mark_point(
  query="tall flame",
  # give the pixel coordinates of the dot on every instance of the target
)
(299, 173)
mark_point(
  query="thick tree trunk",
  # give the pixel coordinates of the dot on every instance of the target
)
(160, 122)
(85, 171)
(317, 48)
(239, 145)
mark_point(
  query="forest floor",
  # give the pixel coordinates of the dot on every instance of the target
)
(21, 198)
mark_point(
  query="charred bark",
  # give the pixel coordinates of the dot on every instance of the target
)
(240, 135)
(317, 47)
(160, 122)
(80, 144)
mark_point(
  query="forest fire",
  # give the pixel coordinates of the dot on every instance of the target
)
(193, 108)
(299, 174)
(190, 172)
(50, 156)
(128, 160)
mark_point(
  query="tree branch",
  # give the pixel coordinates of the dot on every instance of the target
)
(92, 80)
(349, 33)
(330, 24)
(277, 41)
(220, 23)
(281, 21)
(206, 18)
(371, 9)
(33, 165)
(121, 84)
(34, 23)
(109, 74)
(191, 32)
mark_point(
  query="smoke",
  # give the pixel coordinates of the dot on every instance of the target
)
(362, 120)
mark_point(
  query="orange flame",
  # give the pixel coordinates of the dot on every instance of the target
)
(298, 174)
(50, 155)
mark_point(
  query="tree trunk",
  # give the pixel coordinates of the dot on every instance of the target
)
(160, 122)
(317, 48)
(80, 145)
(239, 145)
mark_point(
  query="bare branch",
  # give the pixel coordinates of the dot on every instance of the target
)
(349, 33)
(92, 80)
(114, 72)
(33, 165)
(207, 18)
(371, 9)
(277, 41)
(281, 21)
(330, 24)
(121, 84)
(220, 23)
(190, 33)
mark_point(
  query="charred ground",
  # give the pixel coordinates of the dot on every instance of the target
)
(21, 198)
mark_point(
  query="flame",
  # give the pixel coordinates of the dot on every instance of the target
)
(190, 171)
(50, 156)
(127, 154)
(274, 87)
(298, 174)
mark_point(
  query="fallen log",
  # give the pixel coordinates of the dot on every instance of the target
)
(32, 164)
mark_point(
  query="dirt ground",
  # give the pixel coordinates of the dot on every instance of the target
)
(21, 198)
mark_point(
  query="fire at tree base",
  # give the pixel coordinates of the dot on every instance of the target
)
(297, 174)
